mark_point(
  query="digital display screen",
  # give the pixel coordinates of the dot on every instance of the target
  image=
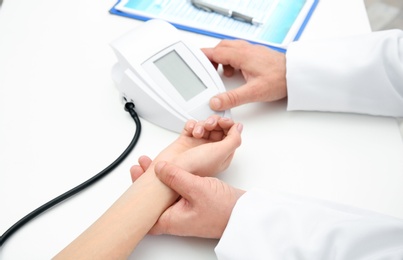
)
(180, 75)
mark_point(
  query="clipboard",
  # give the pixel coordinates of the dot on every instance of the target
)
(283, 21)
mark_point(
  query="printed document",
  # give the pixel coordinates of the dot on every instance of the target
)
(282, 20)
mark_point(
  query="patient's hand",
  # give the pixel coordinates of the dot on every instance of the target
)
(204, 148)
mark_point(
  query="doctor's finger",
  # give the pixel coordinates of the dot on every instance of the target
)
(179, 180)
(228, 53)
(207, 52)
(229, 71)
(137, 170)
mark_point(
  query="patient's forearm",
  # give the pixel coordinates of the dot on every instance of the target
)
(118, 231)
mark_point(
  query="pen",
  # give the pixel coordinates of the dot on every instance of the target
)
(224, 11)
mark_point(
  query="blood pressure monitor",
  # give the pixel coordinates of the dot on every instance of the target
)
(168, 80)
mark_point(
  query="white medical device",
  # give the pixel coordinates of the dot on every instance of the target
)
(168, 80)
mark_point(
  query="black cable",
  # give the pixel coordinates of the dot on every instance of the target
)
(129, 107)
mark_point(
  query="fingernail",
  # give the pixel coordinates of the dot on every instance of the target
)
(199, 130)
(215, 103)
(210, 121)
(190, 125)
(239, 127)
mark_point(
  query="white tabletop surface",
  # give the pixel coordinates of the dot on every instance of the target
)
(61, 121)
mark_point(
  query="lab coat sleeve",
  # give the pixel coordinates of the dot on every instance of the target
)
(281, 226)
(358, 74)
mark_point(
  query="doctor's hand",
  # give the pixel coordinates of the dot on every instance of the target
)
(204, 207)
(205, 148)
(264, 71)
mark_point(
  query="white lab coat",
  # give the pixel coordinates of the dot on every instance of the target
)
(359, 74)
(275, 226)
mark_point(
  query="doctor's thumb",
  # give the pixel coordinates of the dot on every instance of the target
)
(230, 99)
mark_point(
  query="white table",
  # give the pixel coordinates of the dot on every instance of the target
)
(61, 121)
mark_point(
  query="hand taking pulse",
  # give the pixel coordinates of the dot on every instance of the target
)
(263, 69)
(205, 205)
(205, 148)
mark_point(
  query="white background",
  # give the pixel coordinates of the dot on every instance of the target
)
(61, 121)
